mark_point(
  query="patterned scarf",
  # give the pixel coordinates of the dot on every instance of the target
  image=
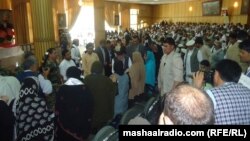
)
(33, 120)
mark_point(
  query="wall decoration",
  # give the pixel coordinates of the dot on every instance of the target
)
(211, 8)
(6, 28)
(116, 20)
(244, 6)
(61, 20)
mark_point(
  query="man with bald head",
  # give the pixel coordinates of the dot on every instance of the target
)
(187, 105)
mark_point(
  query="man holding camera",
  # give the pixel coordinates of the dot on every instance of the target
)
(231, 99)
(245, 54)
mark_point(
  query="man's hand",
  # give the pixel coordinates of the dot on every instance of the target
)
(198, 79)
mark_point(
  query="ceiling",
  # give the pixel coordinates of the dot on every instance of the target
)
(149, 1)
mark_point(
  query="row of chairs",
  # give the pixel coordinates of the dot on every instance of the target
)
(107, 133)
(149, 111)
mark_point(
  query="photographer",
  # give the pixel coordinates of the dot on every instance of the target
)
(245, 54)
(208, 74)
(231, 99)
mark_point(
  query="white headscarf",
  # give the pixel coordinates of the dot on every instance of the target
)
(9, 86)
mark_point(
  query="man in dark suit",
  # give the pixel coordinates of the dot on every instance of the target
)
(135, 46)
(104, 57)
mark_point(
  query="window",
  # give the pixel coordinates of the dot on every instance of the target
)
(83, 28)
(133, 18)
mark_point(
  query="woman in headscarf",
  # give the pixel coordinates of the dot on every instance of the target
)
(73, 108)
(137, 76)
(9, 93)
(150, 72)
(33, 120)
(10, 87)
(50, 63)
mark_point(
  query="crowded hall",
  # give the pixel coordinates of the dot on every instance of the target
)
(75, 70)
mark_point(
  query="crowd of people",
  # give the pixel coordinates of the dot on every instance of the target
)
(194, 68)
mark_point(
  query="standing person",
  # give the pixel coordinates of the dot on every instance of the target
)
(7, 120)
(103, 91)
(203, 48)
(75, 52)
(50, 61)
(120, 64)
(233, 51)
(217, 54)
(135, 46)
(122, 79)
(88, 58)
(111, 55)
(10, 87)
(30, 66)
(158, 53)
(245, 54)
(192, 59)
(171, 67)
(9, 94)
(120, 55)
(73, 110)
(137, 77)
(150, 67)
(66, 63)
(50, 64)
(103, 55)
(33, 120)
(231, 99)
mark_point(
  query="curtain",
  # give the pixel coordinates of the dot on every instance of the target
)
(5, 4)
(22, 26)
(73, 12)
(109, 14)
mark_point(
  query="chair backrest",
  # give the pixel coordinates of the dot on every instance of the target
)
(148, 105)
(104, 133)
(131, 113)
(152, 110)
(114, 136)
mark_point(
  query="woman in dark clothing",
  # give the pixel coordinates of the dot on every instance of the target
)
(7, 121)
(33, 120)
(73, 108)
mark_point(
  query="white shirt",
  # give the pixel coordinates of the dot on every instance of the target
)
(129, 64)
(64, 65)
(73, 81)
(171, 70)
(45, 84)
(188, 67)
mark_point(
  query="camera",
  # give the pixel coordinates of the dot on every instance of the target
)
(209, 76)
(45, 68)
